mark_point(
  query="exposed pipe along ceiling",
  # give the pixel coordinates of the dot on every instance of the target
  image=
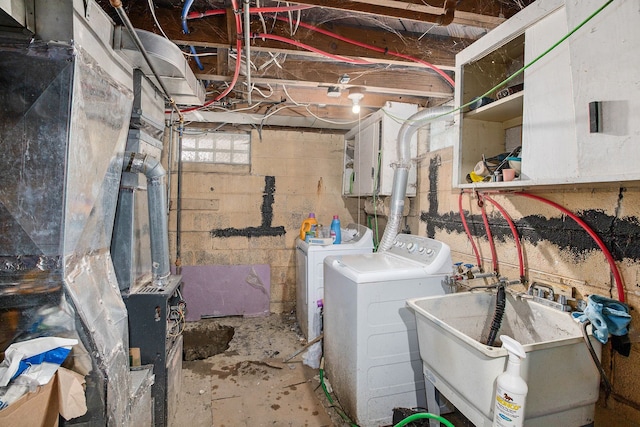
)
(86, 259)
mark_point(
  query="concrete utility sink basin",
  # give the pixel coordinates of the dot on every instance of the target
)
(562, 378)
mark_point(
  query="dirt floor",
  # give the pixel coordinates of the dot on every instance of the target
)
(248, 384)
(234, 375)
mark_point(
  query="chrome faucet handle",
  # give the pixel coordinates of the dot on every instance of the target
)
(540, 288)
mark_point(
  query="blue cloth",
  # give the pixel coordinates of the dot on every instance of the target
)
(607, 316)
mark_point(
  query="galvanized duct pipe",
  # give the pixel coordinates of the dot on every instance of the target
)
(401, 173)
(157, 200)
(117, 5)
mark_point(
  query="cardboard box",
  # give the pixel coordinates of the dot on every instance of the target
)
(37, 409)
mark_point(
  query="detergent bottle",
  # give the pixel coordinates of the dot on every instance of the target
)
(307, 225)
(336, 233)
(511, 388)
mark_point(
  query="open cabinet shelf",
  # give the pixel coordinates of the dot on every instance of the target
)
(550, 112)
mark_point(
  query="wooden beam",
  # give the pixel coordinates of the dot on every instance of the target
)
(318, 96)
(410, 11)
(311, 93)
(407, 81)
(212, 32)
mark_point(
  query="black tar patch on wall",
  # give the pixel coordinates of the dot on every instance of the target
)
(620, 235)
(265, 229)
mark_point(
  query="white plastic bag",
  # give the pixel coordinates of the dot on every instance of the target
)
(25, 349)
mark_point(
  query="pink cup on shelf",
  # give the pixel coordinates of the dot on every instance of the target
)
(508, 174)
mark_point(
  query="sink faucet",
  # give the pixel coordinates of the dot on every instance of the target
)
(540, 288)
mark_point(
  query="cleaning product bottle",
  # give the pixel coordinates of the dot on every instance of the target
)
(307, 225)
(511, 389)
(335, 230)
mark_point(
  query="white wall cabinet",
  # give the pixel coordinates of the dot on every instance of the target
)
(550, 118)
(371, 151)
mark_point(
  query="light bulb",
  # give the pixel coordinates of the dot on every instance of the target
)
(355, 95)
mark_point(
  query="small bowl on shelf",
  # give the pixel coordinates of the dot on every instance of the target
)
(515, 163)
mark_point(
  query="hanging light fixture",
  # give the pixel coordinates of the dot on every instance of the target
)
(355, 95)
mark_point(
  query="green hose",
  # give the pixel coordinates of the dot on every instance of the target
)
(421, 415)
(326, 392)
(406, 421)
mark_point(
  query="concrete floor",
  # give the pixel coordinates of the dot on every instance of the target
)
(248, 384)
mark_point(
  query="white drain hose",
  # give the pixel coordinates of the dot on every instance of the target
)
(401, 173)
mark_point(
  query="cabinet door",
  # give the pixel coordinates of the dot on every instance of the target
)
(605, 59)
(549, 146)
(367, 149)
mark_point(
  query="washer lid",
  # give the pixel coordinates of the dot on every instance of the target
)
(376, 267)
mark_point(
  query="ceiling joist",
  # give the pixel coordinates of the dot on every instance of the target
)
(406, 10)
(386, 47)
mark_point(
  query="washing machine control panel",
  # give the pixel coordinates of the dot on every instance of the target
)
(417, 248)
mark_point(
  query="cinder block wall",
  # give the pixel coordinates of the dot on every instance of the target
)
(308, 178)
(304, 171)
(555, 249)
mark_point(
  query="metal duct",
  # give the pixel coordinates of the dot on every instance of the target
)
(64, 113)
(16, 19)
(167, 60)
(157, 200)
(401, 173)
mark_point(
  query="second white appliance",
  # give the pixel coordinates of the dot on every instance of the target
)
(371, 351)
(357, 239)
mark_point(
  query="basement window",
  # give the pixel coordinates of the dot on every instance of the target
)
(217, 148)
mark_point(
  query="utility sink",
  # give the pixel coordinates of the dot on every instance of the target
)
(563, 379)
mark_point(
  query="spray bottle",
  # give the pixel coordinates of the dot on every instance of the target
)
(511, 389)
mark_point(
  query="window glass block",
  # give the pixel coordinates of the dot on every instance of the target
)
(241, 158)
(188, 142)
(205, 156)
(217, 147)
(188, 156)
(223, 157)
(206, 143)
(241, 145)
(223, 142)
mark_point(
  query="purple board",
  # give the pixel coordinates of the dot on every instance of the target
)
(226, 290)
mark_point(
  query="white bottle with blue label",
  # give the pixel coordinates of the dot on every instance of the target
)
(511, 388)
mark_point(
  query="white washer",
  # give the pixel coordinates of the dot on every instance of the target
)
(309, 274)
(371, 350)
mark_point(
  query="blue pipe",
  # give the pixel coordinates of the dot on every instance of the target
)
(185, 29)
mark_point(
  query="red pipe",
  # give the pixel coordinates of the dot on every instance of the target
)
(492, 244)
(514, 231)
(466, 229)
(194, 15)
(310, 48)
(236, 72)
(212, 12)
(374, 48)
(612, 264)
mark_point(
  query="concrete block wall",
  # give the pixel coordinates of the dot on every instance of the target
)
(306, 168)
(223, 217)
(555, 249)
